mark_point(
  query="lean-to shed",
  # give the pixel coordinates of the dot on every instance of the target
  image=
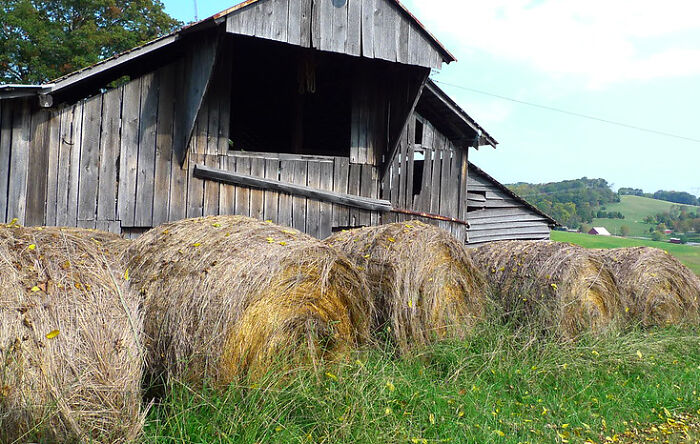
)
(316, 114)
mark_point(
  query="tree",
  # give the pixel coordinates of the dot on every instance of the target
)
(656, 236)
(625, 231)
(44, 39)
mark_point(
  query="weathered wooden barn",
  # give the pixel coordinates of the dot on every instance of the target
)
(497, 213)
(317, 114)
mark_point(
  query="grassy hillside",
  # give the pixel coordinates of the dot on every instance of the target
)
(496, 386)
(689, 255)
(635, 209)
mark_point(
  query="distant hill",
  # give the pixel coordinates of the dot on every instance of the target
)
(636, 209)
(570, 202)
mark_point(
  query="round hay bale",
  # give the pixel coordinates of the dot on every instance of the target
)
(657, 288)
(422, 280)
(227, 296)
(550, 286)
(71, 351)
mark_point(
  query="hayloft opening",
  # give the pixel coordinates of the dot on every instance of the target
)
(290, 100)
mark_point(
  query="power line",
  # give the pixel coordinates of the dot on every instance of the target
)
(571, 113)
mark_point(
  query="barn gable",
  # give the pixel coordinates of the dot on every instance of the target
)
(381, 29)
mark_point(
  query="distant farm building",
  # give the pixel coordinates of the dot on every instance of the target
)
(599, 231)
(315, 115)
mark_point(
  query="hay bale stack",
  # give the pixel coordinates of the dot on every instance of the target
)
(550, 287)
(71, 359)
(656, 288)
(422, 281)
(226, 296)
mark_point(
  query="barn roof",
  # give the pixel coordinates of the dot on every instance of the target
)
(145, 50)
(512, 194)
(452, 121)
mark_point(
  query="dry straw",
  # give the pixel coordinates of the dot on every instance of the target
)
(71, 359)
(550, 287)
(422, 281)
(227, 296)
(657, 289)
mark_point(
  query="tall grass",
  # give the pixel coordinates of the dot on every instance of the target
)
(499, 385)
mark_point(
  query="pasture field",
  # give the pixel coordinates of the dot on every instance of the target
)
(497, 386)
(635, 209)
(688, 255)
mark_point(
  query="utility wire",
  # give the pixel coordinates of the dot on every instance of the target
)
(571, 113)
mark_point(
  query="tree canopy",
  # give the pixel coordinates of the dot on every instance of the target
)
(570, 202)
(42, 40)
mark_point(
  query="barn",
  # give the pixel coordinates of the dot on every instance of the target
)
(497, 213)
(316, 114)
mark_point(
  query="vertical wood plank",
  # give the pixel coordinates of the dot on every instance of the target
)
(65, 145)
(374, 193)
(145, 185)
(243, 193)
(54, 135)
(395, 177)
(339, 33)
(38, 169)
(284, 216)
(326, 217)
(294, 22)
(164, 144)
(227, 198)
(280, 20)
(385, 28)
(353, 45)
(257, 197)
(306, 19)
(272, 198)
(366, 186)
(410, 161)
(313, 207)
(402, 35)
(128, 164)
(177, 203)
(109, 155)
(300, 177)
(463, 187)
(437, 170)
(89, 159)
(19, 163)
(212, 188)
(195, 186)
(354, 189)
(341, 171)
(5, 148)
(368, 7)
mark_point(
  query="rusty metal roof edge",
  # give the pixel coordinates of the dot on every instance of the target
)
(514, 195)
(454, 107)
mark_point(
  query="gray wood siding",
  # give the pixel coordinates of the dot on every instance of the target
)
(494, 215)
(374, 29)
(443, 188)
(108, 162)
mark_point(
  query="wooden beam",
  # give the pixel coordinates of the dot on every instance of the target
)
(199, 66)
(402, 116)
(364, 203)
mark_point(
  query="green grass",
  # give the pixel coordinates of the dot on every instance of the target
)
(635, 209)
(494, 387)
(689, 255)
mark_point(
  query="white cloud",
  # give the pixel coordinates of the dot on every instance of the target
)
(602, 42)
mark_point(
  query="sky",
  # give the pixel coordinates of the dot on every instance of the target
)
(635, 62)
